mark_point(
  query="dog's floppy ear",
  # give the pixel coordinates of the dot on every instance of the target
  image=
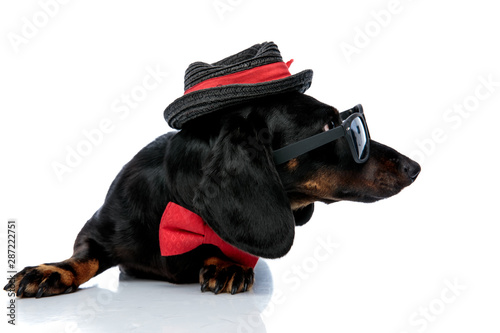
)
(241, 196)
(303, 215)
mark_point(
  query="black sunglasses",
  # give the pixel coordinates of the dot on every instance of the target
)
(353, 128)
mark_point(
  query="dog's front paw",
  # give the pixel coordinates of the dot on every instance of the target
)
(51, 279)
(219, 276)
(43, 280)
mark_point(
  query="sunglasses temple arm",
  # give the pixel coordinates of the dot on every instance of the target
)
(298, 148)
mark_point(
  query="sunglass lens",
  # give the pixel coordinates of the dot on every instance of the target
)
(359, 138)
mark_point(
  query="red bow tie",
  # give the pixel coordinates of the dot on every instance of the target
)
(181, 231)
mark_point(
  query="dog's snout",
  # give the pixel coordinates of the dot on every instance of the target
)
(410, 168)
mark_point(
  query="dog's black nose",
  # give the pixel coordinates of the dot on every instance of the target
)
(411, 168)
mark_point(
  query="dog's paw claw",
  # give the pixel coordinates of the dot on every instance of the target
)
(40, 292)
(20, 291)
(221, 276)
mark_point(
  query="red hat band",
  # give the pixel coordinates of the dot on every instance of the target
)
(264, 73)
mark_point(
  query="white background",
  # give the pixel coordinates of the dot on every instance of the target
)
(392, 260)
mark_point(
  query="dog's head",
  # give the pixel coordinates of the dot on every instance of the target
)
(255, 204)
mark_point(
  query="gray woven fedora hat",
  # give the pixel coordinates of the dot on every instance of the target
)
(256, 72)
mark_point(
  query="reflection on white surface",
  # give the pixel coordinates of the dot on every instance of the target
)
(113, 302)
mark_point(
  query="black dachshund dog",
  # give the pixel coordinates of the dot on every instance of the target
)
(221, 167)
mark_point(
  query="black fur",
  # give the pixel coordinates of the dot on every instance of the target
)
(220, 166)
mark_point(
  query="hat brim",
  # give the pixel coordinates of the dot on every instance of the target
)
(202, 102)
